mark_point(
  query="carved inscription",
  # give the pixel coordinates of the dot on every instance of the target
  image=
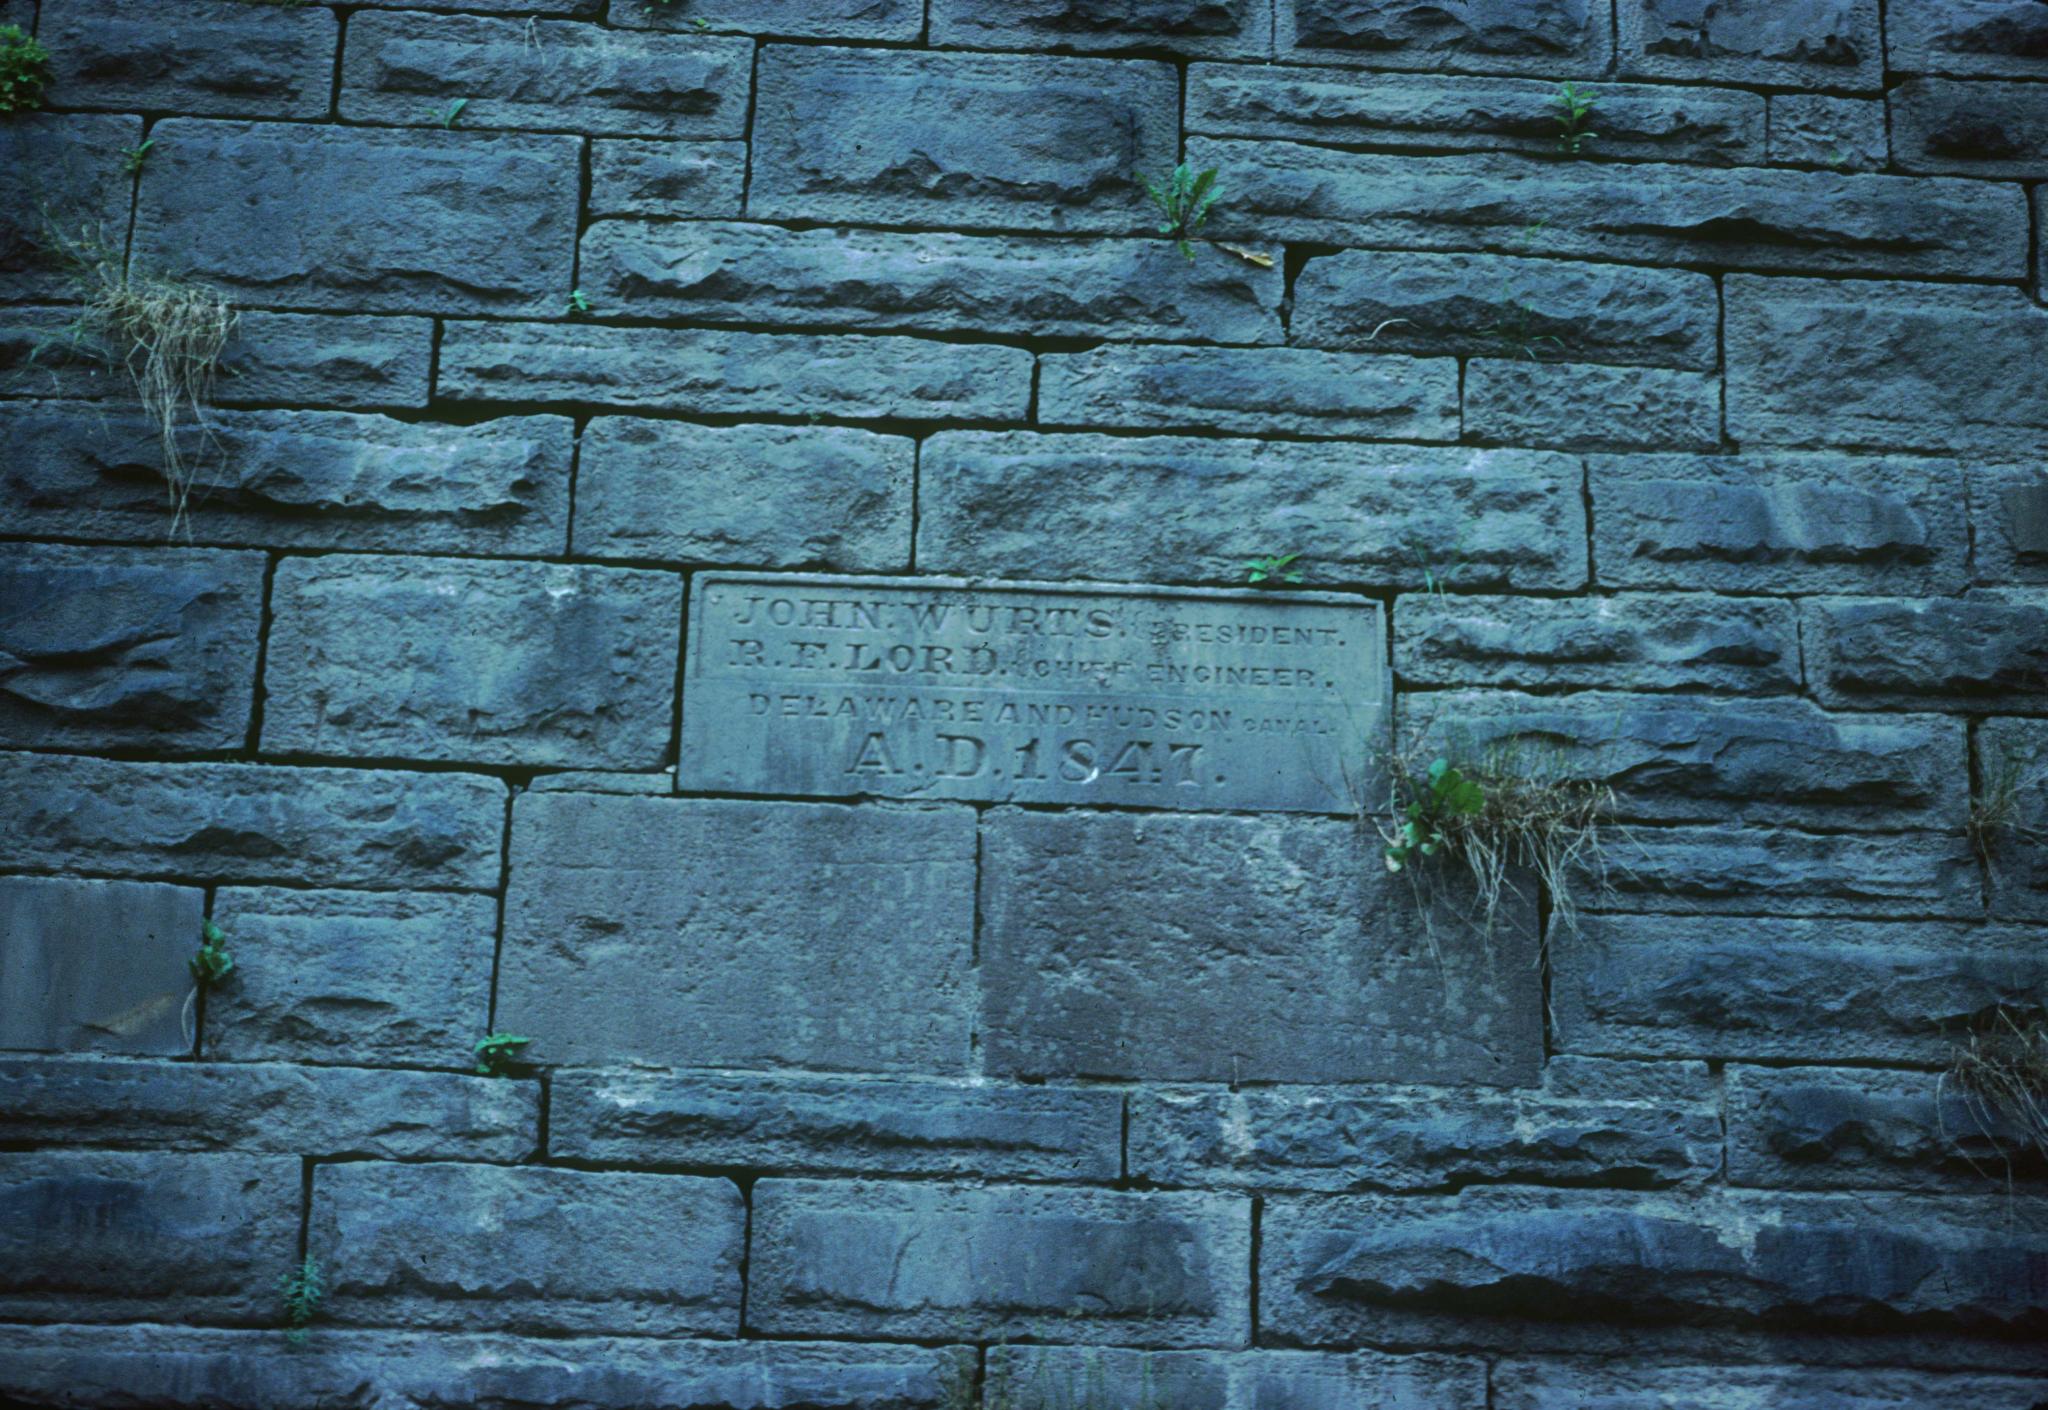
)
(934, 688)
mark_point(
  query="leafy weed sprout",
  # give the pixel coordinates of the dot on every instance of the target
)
(24, 70)
(1184, 199)
(167, 334)
(301, 1290)
(1573, 105)
(1274, 570)
(2001, 1072)
(499, 1054)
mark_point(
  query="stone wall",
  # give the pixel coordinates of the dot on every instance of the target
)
(1709, 462)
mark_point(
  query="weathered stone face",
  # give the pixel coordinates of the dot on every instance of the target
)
(210, 57)
(1514, 35)
(96, 966)
(1236, 28)
(1830, 43)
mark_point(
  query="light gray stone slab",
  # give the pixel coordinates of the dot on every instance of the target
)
(900, 20)
(96, 966)
(722, 933)
(1178, 509)
(1969, 38)
(378, 829)
(267, 1107)
(954, 139)
(1971, 129)
(320, 360)
(197, 56)
(361, 218)
(527, 1249)
(1524, 401)
(765, 496)
(1809, 43)
(103, 1236)
(799, 1124)
(1252, 391)
(936, 688)
(1817, 129)
(406, 69)
(1478, 36)
(564, 665)
(1233, 1380)
(1779, 870)
(925, 1259)
(353, 976)
(651, 176)
(104, 647)
(1240, 29)
(1179, 948)
(1987, 650)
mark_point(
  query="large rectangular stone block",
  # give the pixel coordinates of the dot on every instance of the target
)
(796, 19)
(223, 1370)
(939, 688)
(776, 496)
(1971, 38)
(1625, 1383)
(1639, 1125)
(267, 1107)
(2009, 523)
(1850, 1128)
(722, 933)
(528, 1249)
(59, 171)
(794, 1123)
(866, 1258)
(2012, 762)
(661, 176)
(1164, 508)
(1222, 28)
(1387, 1268)
(1812, 990)
(959, 139)
(298, 479)
(96, 1236)
(1775, 870)
(364, 218)
(1641, 641)
(1913, 366)
(96, 966)
(1971, 129)
(374, 828)
(1691, 759)
(713, 372)
(1233, 1380)
(1818, 129)
(106, 647)
(1521, 401)
(200, 56)
(1814, 43)
(1171, 948)
(1290, 391)
(1986, 650)
(321, 360)
(452, 659)
(1497, 305)
(732, 272)
(1650, 213)
(1779, 522)
(1482, 36)
(353, 976)
(407, 70)
(1442, 112)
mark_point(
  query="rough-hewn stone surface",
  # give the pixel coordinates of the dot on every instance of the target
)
(661, 176)
(875, 137)
(362, 218)
(1989, 649)
(935, 1260)
(95, 966)
(1162, 507)
(154, 647)
(822, 1124)
(798, 19)
(721, 272)
(204, 56)
(375, 828)
(352, 976)
(1842, 134)
(1979, 129)
(770, 496)
(1826, 43)
(1301, 1380)
(713, 933)
(525, 1249)
(1094, 966)
(1496, 36)
(1233, 28)
(311, 359)
(1523, 401)
(1789, 872)
(2009, 523)
(1971, 38)
(2012, 760)
(58, 172)
(1624, 1383)
(424, 658)
(267, 1107)
(99, 1236)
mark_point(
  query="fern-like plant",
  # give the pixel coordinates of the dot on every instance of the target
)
(301, 1290)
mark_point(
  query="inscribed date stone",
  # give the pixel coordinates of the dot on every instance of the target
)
(937, 688)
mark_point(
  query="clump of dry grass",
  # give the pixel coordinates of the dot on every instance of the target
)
(166, 334)
(2002, 1074)
(1995, 811)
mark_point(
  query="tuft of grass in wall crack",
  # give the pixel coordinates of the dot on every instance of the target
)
(133, 158)
(2001, 1073)
(301, 1291)
(1573, 105)
(1514, 328)
(447, 117)
(24, 70)
(1994, 824)
(579, 304)
(1184, 199)
(1276, 570)
(501, 1055)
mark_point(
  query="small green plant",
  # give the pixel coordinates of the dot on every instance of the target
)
(1184, 199)
(1573, 105)
(447, 116)
(133, 158)
(1274, 570)
(1446, 795)
(499, 1055)
(301, 1290)
(24, 70)
(1515, 328)
(212, 964)
(579, 303)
